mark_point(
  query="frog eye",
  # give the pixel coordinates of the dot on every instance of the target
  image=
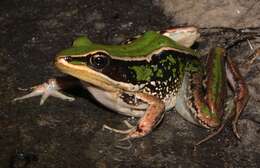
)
(99, 60)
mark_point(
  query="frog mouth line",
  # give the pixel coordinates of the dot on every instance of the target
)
(90, 76)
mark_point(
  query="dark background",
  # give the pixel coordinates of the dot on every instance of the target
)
(63, 134)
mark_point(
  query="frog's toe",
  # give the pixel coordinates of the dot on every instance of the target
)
(127, 131)
(132, 132)
(235, 130)
(213, 134)
(136, 133)
(56, 94)
(32, 94)
(36, 91)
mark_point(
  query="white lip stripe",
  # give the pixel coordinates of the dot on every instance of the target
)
(122, 85)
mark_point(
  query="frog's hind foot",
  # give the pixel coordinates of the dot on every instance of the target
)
(229, 108)
(211, 135)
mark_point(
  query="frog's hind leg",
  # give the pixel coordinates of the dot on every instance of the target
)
(215, 95)
(228, 113)
(240, 89)
(209, 107)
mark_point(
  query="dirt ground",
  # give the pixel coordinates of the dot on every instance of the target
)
(62, 134)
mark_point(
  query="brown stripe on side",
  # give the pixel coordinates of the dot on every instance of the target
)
(240, 89)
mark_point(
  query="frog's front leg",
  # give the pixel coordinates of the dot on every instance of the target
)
(152, 117)
(51, 88)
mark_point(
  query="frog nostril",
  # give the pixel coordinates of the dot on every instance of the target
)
(68, 58)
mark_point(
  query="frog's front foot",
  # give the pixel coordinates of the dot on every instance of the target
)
(136, 133)
(49, 88)
(132, 131)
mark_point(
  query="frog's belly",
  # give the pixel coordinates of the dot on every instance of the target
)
(113, 101)
(182, 100)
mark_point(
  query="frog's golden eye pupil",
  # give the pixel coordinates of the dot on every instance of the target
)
(99, 61)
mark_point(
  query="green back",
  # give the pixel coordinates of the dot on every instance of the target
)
(140, 47)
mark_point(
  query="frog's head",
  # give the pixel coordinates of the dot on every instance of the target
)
(88, 61)
(109, 66)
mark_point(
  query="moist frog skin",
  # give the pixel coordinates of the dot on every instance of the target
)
(153, 73)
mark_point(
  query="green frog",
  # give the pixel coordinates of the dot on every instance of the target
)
(151, 74)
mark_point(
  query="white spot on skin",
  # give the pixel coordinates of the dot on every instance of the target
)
(154, 93)
(152, 83)
(154, 66)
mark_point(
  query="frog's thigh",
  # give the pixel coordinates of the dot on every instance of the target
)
(113, 101)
